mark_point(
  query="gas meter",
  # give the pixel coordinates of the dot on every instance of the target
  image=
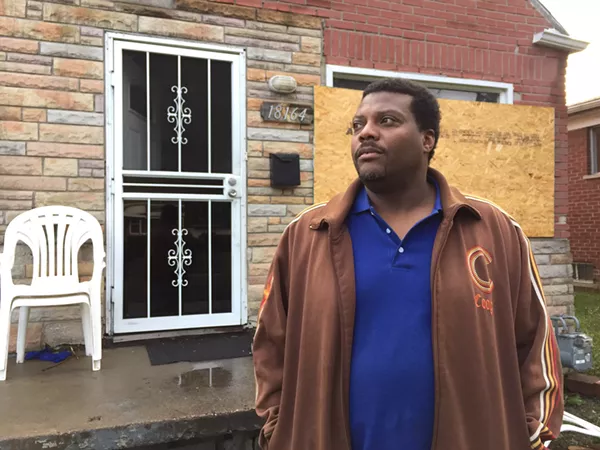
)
(575, 347)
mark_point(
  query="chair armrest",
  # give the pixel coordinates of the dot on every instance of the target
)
(5, 281)
(5, 268)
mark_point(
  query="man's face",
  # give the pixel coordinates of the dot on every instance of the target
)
(387, 142)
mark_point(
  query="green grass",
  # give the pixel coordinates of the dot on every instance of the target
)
(587, 310)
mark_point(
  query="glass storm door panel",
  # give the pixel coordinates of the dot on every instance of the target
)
(178, 190)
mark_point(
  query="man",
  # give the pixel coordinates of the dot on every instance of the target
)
(402, 314)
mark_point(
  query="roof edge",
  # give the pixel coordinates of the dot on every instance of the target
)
(537, 4)
(584, 106)
(554, 39)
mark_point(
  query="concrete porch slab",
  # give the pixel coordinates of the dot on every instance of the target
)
(127, 404)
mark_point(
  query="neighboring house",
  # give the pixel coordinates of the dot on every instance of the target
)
(584, 191)
(147, 113)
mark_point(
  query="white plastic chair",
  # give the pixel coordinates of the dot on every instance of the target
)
(55, 235)
(575, 424)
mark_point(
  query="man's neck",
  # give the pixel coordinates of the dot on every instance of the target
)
(404, 199)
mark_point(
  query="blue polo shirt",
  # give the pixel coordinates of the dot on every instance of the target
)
(391, 376)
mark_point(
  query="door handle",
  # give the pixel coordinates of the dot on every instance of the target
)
(231, 184)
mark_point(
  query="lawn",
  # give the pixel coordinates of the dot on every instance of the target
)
(587, 310)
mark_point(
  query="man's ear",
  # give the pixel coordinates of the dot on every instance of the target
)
(428, 140)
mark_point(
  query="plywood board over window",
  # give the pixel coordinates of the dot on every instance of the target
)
(504, 153)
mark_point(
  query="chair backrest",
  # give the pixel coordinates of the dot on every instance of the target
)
(55, 235)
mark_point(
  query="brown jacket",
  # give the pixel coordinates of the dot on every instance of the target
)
(498, 380)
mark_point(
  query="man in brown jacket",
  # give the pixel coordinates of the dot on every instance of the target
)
(403, 314)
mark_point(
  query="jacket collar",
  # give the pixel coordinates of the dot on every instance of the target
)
(362, 203)
(334, 213)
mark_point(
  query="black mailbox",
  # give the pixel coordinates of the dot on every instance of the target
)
(285, 169)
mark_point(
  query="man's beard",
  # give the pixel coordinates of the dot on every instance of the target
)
(369, 176)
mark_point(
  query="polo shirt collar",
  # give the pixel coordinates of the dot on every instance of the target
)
(437, 206)
(362, 203)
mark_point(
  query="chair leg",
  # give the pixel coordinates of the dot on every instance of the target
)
(4, 336)
(22, 333)
(96, 319)
(87, 328)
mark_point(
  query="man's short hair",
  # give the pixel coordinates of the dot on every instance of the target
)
(424, 105)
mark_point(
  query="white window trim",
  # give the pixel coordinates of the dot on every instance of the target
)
(593, 149)
(506, 90)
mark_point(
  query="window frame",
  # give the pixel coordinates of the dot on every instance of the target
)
(506, 90)
(579, 267)
(594, 150)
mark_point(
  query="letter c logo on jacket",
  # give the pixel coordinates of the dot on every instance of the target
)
(475, 258)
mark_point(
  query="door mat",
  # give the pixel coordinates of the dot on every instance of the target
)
(199, 348)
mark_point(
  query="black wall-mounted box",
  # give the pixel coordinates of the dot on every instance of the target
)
(285, 169)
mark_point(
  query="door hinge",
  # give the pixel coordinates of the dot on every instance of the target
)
(111, 78)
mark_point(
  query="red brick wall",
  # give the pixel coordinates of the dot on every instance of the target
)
(584, 204)
(481, 39)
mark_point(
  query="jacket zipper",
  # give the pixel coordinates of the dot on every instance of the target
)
(434, 332)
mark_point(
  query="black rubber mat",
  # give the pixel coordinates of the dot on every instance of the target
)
(199, 348)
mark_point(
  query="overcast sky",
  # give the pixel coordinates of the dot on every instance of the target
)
(581, 18)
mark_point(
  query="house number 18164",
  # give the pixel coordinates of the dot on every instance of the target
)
(278, 113)
(281, 112)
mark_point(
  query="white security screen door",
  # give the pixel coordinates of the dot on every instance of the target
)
(178, 190)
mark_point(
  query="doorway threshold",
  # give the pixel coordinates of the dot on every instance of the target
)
(137, 338)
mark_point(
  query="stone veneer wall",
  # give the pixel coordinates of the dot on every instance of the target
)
(554, 259)
(52, 114)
